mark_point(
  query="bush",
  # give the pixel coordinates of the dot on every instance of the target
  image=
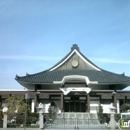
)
(125, 107)
(11, 125)
(100, 115)
(1, 117)
(117, 117)
(33, 117)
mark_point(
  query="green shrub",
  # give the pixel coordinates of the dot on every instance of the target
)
(1, 117)
(117, 117)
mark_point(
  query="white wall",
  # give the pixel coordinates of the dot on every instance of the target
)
(94, 106)
(106, 107)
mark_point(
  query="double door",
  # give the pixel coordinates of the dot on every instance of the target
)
(74, 106)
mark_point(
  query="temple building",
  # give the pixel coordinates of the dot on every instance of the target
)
(75, 84)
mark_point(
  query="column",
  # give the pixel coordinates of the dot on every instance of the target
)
(115, 100)
(5, 121)
(36, 101)
(88, 103)
(32, 105)
(99, 100)
(62, 102)
(125, 99)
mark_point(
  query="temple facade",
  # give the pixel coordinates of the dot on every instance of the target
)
(74, 84)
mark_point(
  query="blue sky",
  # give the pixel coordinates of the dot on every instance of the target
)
(36, 34)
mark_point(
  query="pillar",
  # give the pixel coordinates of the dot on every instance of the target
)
(88, 103)
(125, 99)
(62, 102)
(41, 121)
(5, 121)
(36, 101)
(99, 100)
(115, 101)
(32, 105)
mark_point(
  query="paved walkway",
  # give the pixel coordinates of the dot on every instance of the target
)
(46, 129)
(20, 129)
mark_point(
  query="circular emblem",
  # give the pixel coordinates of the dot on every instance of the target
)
(75, 63)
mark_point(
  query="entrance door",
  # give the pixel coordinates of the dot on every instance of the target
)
(77, 106)
(74, 106)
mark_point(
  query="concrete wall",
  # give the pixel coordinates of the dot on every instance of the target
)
(94, 106)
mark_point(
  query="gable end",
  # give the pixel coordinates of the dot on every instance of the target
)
(69, 57)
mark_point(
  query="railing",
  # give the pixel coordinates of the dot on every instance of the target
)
(20, 122)
(62, 121)
(73, 123)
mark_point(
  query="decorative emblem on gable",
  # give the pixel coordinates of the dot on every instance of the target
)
(75, 63)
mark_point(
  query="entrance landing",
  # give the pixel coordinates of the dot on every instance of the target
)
(82, 118)
(82, 115)
(75, 121)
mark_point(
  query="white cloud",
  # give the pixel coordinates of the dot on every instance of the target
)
(27, 57)
(108, 60)
(50, 58)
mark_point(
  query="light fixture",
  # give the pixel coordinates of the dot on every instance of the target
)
(113, 93)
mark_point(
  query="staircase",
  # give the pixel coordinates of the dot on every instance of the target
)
(75, 117)
(75, 120)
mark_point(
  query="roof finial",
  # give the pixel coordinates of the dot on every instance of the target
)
(27, 74)
(123, 74)
(16, 76)
(75, 46)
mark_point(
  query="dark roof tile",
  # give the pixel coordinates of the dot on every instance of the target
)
(57, 75)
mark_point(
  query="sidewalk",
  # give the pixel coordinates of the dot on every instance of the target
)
(57, 128)
(20, 129)
(46, 129)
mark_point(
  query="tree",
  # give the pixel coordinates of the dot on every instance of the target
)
(51, 112)
(16, 106)
(125, 107)
(100, 114)
(1, 117)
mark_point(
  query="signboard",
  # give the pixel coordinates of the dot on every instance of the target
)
(125, 120)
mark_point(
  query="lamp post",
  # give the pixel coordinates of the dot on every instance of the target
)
(25, 120)
(41, 110)
(112, 119)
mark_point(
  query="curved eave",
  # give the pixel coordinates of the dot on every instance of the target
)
(102, 77)
(126, 83)
(33, 83)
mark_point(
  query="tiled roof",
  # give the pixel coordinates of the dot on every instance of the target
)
(57, 75)
(49, 76)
